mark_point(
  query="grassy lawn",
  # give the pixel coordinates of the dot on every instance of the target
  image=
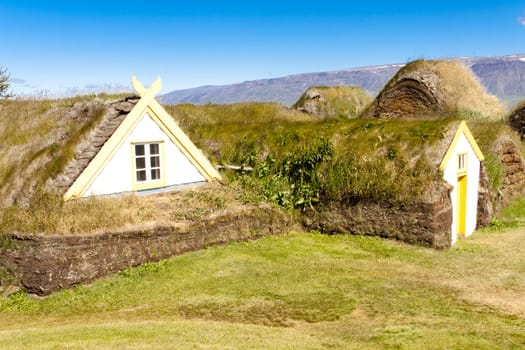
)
(299, 291)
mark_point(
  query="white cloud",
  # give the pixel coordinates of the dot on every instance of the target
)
(18, 81)
(521, 20)
(110, 88)
(21, 87)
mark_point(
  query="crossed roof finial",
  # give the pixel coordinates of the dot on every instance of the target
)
(141, 90)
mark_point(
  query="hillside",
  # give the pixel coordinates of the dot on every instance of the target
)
(502, 76)
(285, 90)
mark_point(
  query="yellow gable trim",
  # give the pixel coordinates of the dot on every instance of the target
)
(182, 141)
(107, 151)
(115, 141)
(462, 130)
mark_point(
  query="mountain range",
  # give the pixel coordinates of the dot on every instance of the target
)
(503, 76)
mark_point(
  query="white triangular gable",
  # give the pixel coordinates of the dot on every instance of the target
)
(112, 170)
(463, 132)
(463, 145)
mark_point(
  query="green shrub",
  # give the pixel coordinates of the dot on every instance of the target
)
(292, 182)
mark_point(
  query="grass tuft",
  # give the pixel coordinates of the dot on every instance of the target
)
(49, 214)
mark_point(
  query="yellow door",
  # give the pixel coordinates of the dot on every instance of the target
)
(462, 204)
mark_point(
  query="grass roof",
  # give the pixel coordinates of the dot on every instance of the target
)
(35, 137)
(333, 101)
(367, 159)
(49, 214)
(435, 89)
(280, 131)
(298, 159)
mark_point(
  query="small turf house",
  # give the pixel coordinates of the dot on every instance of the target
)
(416, 181)
(461, 169)
(434, 91)
(146, 151)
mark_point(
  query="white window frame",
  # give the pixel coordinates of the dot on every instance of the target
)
(462, 163)
(149, 182)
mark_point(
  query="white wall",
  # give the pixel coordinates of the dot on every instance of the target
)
(117, 176)
(450, 175)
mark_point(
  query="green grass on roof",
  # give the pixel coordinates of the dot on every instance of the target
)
(336, 101)
(371, 159)
(298, 159)
(38, 138)
(451, 86)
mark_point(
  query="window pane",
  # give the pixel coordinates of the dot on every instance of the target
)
(155, 174)
(462, 162)
(140, 163)
(154, 148)
(155, 162)
(141, 175)
(147, 162)
(139, 150)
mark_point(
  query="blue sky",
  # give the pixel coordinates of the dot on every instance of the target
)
(54, 46)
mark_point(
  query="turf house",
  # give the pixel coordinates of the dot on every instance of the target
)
(146, 151)
(426, 162)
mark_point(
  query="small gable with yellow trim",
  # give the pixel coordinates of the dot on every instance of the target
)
(148, 151)
(461, 167)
